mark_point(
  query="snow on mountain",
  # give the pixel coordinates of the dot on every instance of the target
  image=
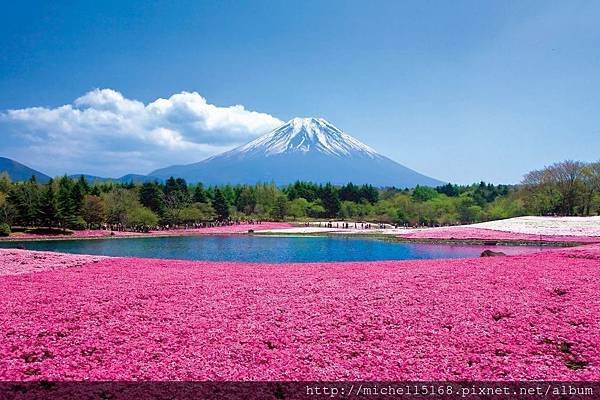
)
(309, 149)
(304, 135)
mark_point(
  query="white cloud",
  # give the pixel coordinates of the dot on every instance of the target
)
(104, 133)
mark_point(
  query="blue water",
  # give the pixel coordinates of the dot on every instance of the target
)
(264, 248)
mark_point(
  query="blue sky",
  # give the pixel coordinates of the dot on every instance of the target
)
(462, 91)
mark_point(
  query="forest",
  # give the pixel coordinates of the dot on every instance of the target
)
(564, 188)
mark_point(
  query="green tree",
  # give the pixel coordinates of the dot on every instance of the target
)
(316, 210)
(403, 209)
(265, 198)
(95, 191)
(25, 199)
(92, 210)
(229, 194)
(330, 200)
(176, 198)
(141, 216)
(352, 210)
(78, 192)
(504, 207)
(298, 208)
(369, 193)
(423, 193)
(4, 229)
(65, 202)
(448, 189)
(48, 206)
(220, 205)
(82, 182)
(246, 200)
(208, 212)
(350, 192)
(200, 195)
(5, 182)
(175, 185)
(306, 190)
(7, 210)
(152, 197)
(280, 208)
(468, 210)
(591, 181)
(117, 204)
(198, 212)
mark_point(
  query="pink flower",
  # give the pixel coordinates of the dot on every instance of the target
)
(500, 318)
(239, 228)
(468, 233)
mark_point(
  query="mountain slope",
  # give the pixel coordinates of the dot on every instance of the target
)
(20, 172)
(306, 149)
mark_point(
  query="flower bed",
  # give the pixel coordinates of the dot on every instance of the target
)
(470, 233)
(14, 262)
(520, 229)
(555, 226)
(505, 318)
(241, 228)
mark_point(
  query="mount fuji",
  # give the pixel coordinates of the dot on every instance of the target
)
(306, 149)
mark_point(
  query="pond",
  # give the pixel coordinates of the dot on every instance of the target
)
(266, 249)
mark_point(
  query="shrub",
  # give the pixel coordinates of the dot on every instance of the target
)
(77, 224)
(4, 230)
(140, 216)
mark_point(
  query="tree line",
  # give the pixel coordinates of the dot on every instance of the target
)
(563, 188)
(566, 188)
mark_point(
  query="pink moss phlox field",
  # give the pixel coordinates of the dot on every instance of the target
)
(241, 228)
(531, 316)
(13, 262)
(467, 233)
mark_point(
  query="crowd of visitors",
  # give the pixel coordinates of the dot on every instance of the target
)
(168, 227)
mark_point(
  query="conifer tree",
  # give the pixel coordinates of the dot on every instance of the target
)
(220, 205)
(331, 200)
(24, 197)
(95, 191)
(151, 196)
(66, 207)
(78, 192)
(48, 211)
(200, 195)
(84, 184)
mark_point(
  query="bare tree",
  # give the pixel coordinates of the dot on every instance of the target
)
(540, 193)
(556, 188)
(568, 177)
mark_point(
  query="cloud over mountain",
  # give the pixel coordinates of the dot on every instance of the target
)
(105, 132)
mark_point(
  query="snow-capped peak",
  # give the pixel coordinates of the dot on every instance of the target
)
(308, 134)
